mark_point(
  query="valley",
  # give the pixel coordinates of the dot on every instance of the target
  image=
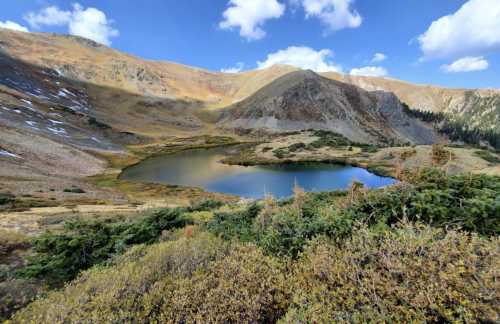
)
(109, 162)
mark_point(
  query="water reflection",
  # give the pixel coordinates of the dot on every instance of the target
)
(201, 168)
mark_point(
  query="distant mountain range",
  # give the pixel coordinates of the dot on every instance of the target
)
(78, 92)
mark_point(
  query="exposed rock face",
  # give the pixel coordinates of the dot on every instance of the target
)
(479, 107)
(304, 100)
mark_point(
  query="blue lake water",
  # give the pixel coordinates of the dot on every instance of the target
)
(202, 168)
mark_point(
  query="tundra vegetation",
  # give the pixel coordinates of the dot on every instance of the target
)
(424, 250)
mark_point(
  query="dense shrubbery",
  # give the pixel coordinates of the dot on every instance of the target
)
(410, 274)
(59, 257)
(82, 244)
(118, 293)
(470, 202)
(422, 251)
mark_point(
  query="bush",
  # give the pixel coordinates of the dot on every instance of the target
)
(207, 205)
(235, 224)
(407, 274)
(119, 294)
(6, 198)
(466, 201)
(488, 156)
(281, 153)
(296, 147)
(60, 257)
(412, 274)
(244, 287)
(284, 231)
(331, 139)
(74, 190)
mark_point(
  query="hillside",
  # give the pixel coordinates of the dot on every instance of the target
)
(85, 61)
(305, 100)
(479, 107)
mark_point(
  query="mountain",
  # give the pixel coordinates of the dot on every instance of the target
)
(81, 59)
(103, 98)
(88, 62)
(479, 107)
(305, 100)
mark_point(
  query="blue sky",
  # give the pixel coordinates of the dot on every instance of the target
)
(342, 35)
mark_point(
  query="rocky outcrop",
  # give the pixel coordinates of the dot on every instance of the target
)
(305, 100)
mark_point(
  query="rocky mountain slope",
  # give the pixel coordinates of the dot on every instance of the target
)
(480, 107)
(305, 100)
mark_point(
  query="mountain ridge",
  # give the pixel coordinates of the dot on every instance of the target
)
(305, 100)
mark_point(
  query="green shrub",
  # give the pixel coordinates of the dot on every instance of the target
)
(82, 244)
(296, 147)
(74, 190)
(331, 139)
(281, 153)
(467, 201)
(6, 198)
(488, 156)
(285, 230)
(235, 225)
(207, 205)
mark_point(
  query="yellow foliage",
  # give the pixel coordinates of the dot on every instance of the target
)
(115, 294)
(408, 275)
(244, 287)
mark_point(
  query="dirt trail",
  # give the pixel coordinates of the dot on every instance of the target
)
(29, 222)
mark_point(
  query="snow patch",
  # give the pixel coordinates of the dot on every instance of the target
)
(27, 102)
(65, 93)
(55, 122)
(8, 154)
(57, 131)
(62, 94)
(31, 123)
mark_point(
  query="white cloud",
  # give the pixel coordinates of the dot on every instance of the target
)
(373, 71)
(89, 23)
(302, 57)
(235, 69)
(50, 16)
(378, 57)
(474, 29)
(93, 24)
(466, 64)
(250, 15)
(335, 14)
(14, 26)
